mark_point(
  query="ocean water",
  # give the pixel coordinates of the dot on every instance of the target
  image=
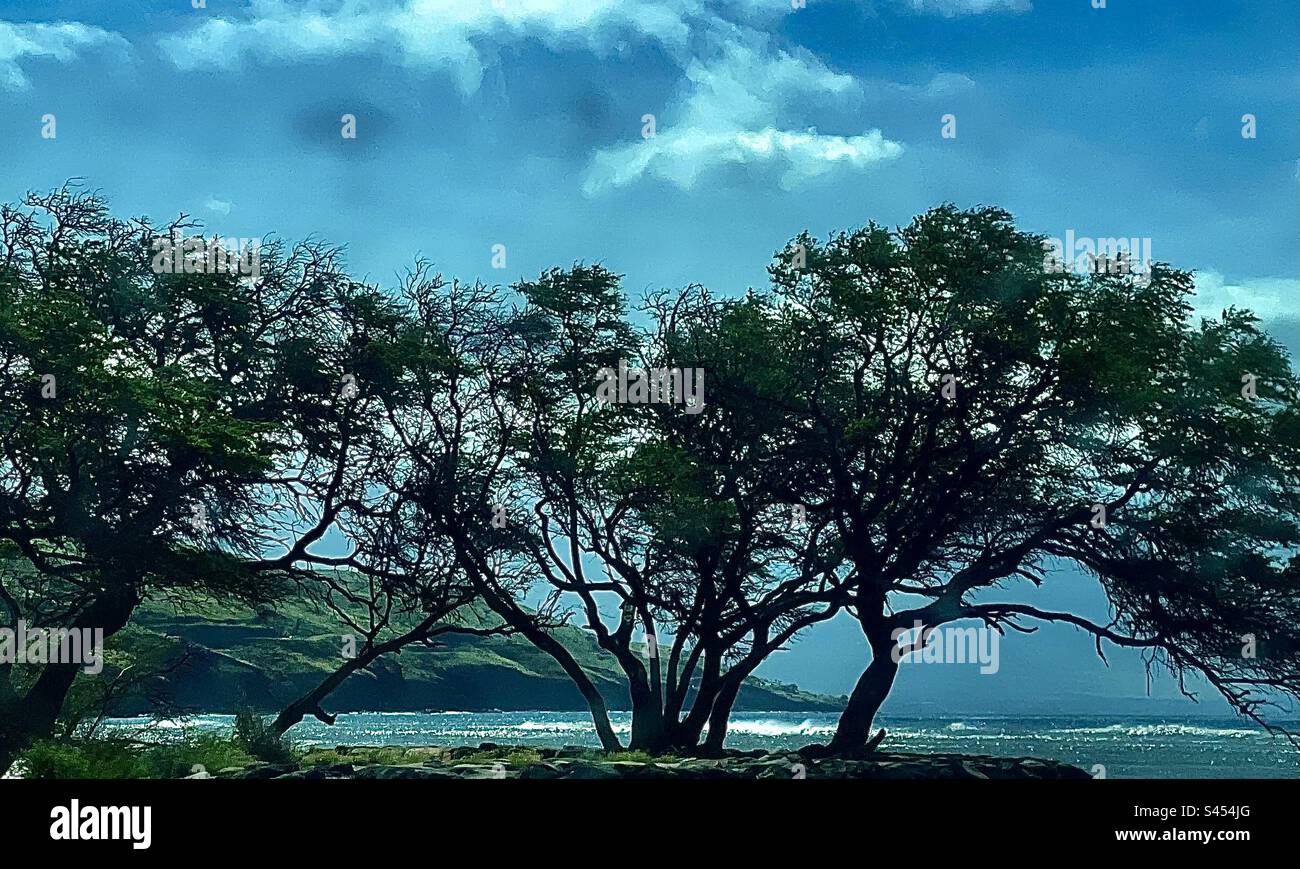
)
(1126, 747)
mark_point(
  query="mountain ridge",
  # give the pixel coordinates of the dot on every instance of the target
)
(237, 657)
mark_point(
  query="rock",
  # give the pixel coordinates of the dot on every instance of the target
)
(578, 769)
(323, 772)
(631, 769)
(264, 771)
(575, 762)
(312, 773)
(483, 771)
(780, 769)
(705, 769)
(381, 772)
(541, 771)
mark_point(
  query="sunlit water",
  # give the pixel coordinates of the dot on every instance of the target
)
(1126, 747)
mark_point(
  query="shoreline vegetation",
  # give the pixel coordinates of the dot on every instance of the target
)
(254, 752)
(901, 427)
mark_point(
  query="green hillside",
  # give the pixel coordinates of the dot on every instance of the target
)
(239, 657)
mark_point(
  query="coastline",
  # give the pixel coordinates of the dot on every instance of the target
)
(1123, 746)
(491, 761)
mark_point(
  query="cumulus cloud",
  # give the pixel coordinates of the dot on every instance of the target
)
(439, 34)
(1268, 298)
(681, 156)
(741, 100)
(62, 41)
(730, 114)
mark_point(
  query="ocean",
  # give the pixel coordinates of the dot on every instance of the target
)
(1106, 746)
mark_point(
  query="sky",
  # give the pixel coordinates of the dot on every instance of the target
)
(685, 141)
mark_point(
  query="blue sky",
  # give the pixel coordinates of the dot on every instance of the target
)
(520, 122)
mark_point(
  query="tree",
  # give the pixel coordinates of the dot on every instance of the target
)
(459, 433)
(970, 415)
(665, 512)
(415, 526)
(162, 432)
(738, 571)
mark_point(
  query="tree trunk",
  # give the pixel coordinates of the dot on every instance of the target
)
(854, 730)
(648, 732)
(686, 735)
(649, 724)
(310, 703)
(499, 603)
(590, 693)
(524, 624)
(35, 715)
(720, 717)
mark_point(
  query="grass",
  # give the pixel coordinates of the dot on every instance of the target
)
(108, 758)
(361, 756)
(636, 757)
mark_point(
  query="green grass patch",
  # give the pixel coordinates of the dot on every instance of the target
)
(108, 758)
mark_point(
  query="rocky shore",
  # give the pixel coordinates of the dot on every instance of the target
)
(490, 761)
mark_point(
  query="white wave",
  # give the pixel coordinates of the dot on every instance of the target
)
(1160, 730)
(780, 728)
(563, 727)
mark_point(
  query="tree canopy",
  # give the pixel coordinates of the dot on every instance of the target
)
(904, 425)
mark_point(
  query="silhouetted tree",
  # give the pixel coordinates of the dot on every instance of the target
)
(160, 433)
(422, 546)
(971, 416)
(659, 516)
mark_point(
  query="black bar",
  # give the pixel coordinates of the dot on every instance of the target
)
(378, 820)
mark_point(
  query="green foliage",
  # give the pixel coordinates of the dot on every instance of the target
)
(946, 408)
(1065, 391)
(49, 759)
(111, 758)
(255, 735)
(393, 755)
(638, 757)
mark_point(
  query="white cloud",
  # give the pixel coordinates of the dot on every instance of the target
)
(439, 34)
(220, 206)
(735, 103)
(682, 156)
(944, 84)
(953, 8)
(1268, 298)
(730, 114)
(62, 41)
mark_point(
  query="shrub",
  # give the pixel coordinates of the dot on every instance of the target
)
(109, 758)
(255, 735)
(50, 759)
